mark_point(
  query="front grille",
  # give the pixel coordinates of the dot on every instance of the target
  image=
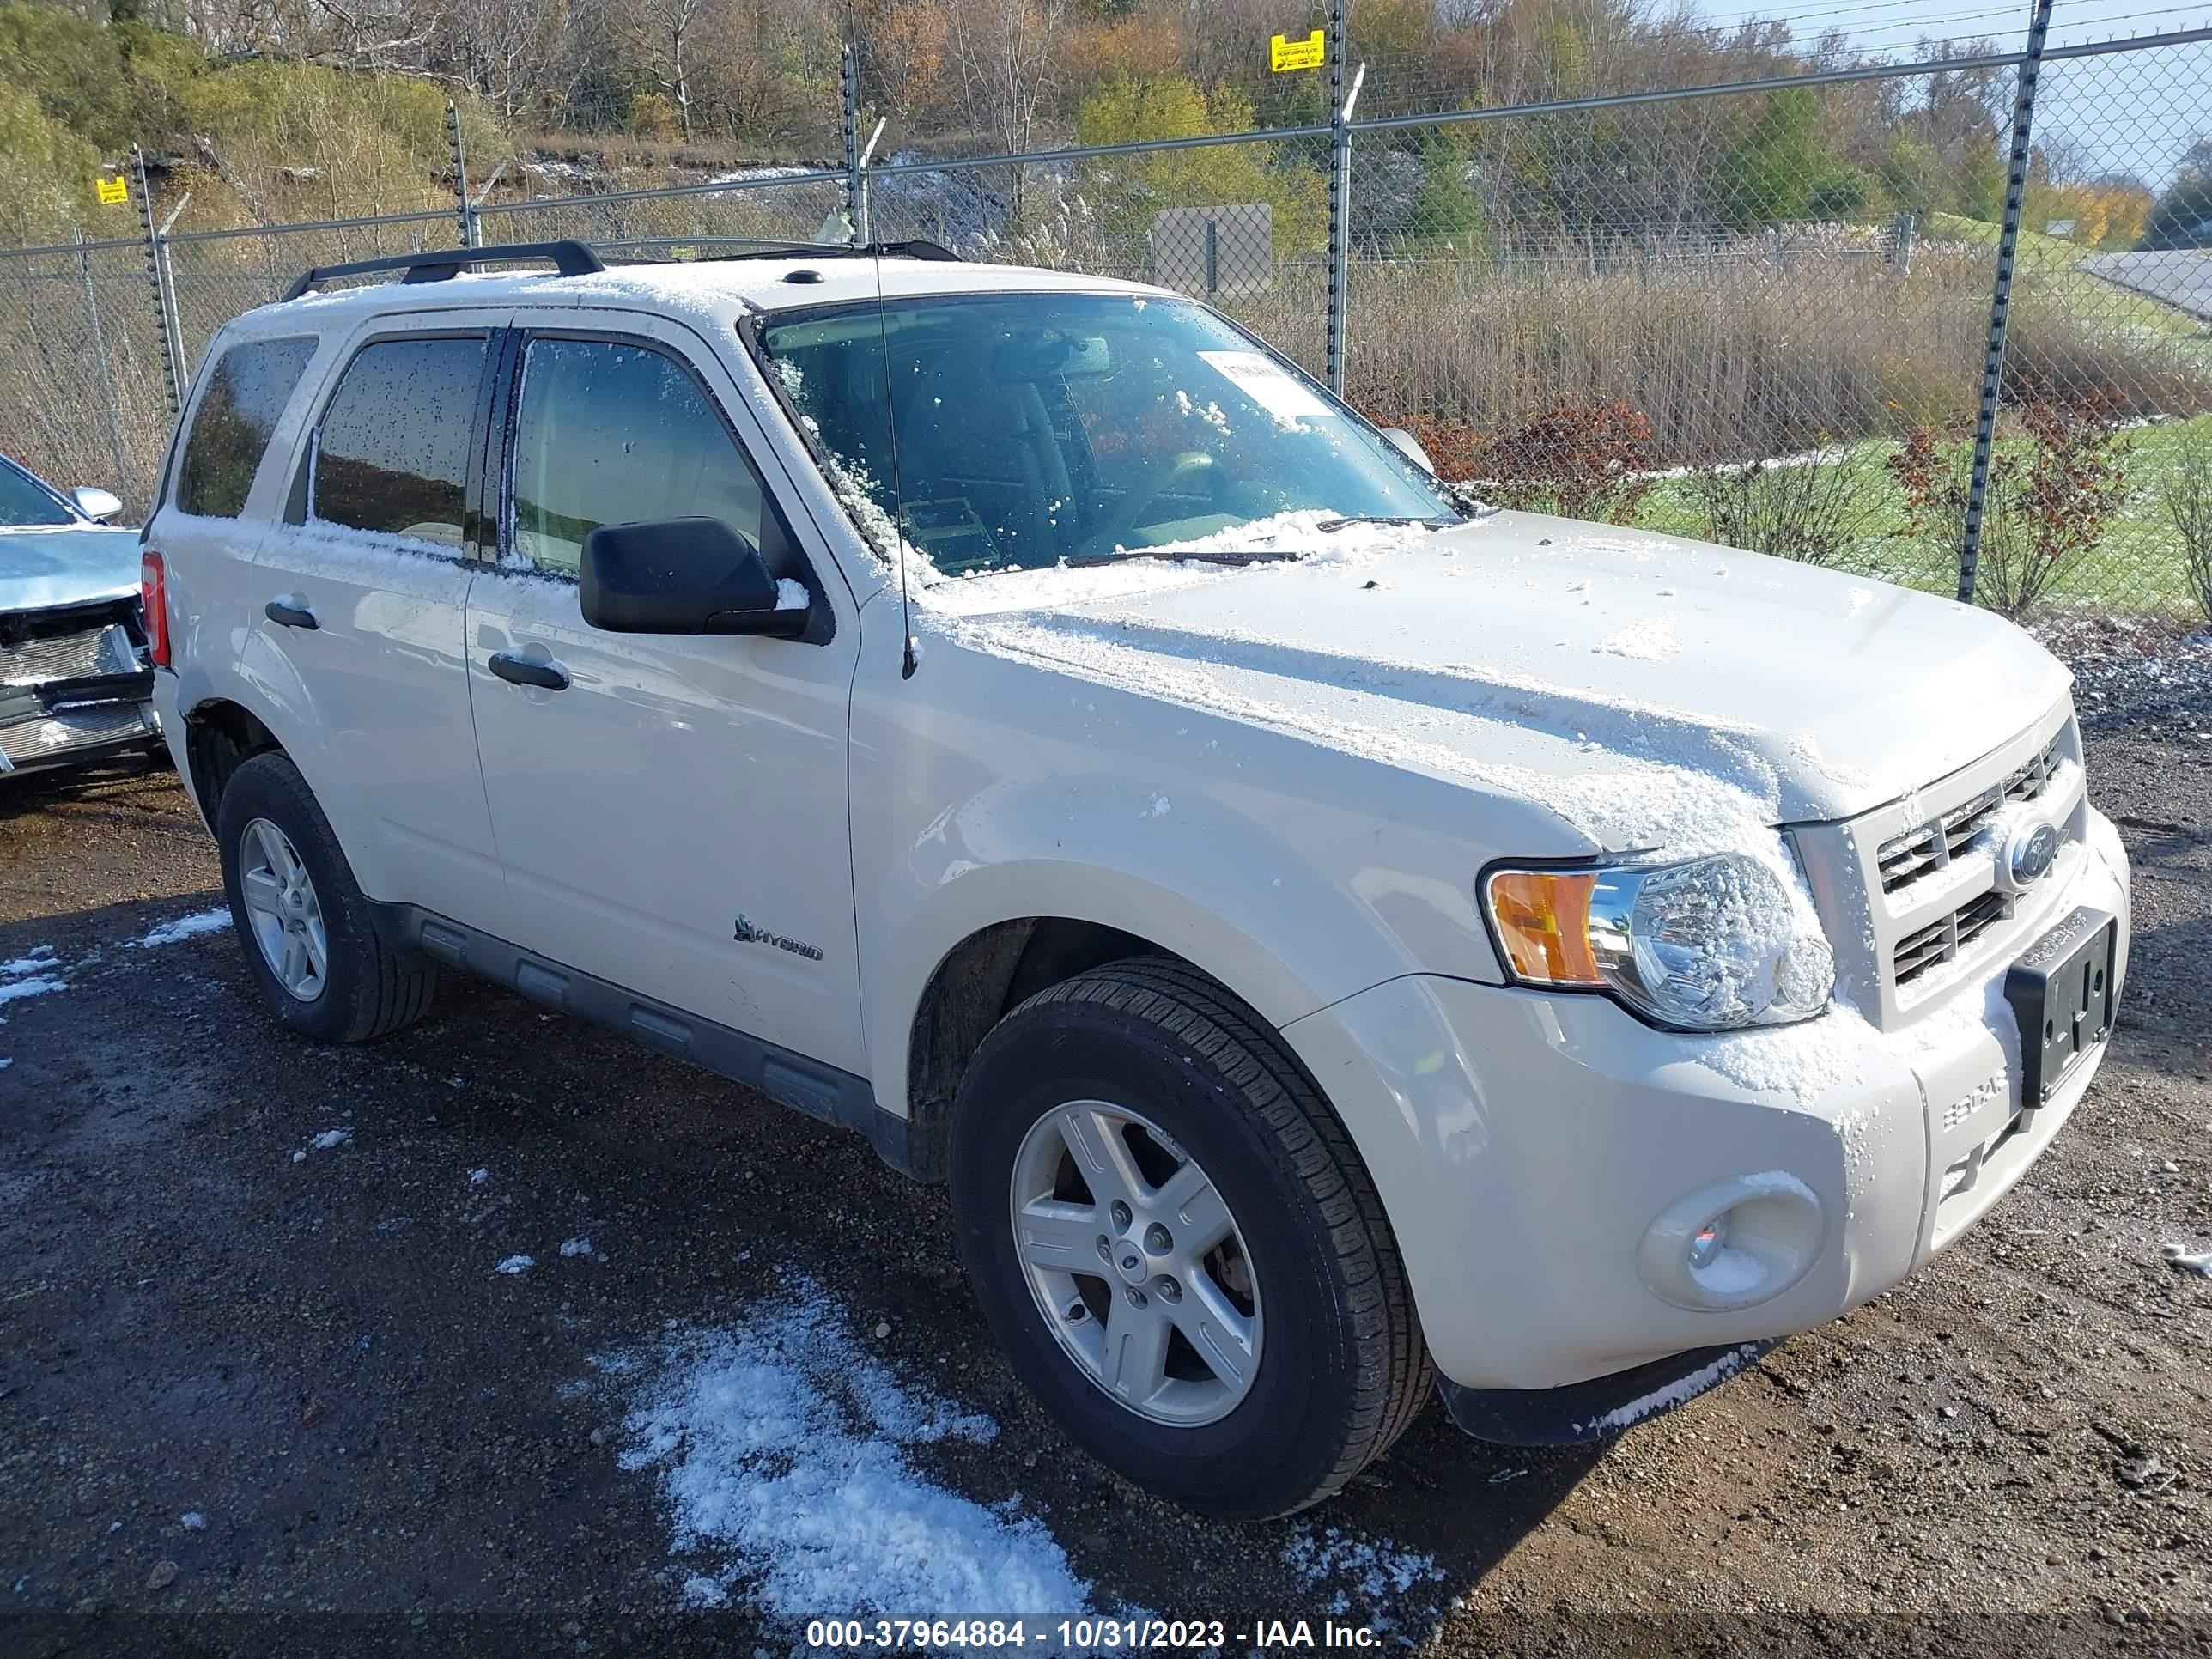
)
(1945, 938)
(1905, 859)
(44, 736)
(82, 655)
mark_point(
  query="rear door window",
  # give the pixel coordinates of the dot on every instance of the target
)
(246, 392)
(392, 453)
(609, 432)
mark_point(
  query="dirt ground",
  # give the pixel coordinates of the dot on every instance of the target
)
(207, 1316)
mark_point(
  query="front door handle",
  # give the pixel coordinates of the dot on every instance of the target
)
(289, 610)
(520, 670)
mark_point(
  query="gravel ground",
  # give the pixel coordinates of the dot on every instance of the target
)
(257, 1355)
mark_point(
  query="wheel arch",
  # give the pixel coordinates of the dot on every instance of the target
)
(220, 736)
(993, 957)
(974, 986)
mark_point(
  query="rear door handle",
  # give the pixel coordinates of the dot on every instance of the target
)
(520, 670)
(289, 610)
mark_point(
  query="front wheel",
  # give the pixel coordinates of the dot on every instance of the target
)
(1178, 1246)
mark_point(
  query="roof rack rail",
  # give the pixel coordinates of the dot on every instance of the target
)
(568, 259)
(912, 249)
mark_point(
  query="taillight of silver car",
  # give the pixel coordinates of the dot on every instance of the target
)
(153, 594)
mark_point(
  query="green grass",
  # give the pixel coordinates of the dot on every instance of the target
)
(2048, 267)
(2137, 566)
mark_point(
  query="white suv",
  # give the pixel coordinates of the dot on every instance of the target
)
(1322, 936)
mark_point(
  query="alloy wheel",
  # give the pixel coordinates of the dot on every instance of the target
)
(1136, 1263)
(282, 905)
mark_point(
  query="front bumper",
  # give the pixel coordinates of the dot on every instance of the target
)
(72, 688)
(1543, 1158)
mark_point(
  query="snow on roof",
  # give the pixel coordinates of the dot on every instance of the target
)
(713, 290)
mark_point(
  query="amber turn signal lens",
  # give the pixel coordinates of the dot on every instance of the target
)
(1543, 922)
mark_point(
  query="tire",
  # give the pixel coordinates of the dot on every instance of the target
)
(366, 989)
(1340, 1369)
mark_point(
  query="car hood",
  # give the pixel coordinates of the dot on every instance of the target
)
(1646, 687)
(43, 567)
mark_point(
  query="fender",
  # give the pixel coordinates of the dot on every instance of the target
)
(1218, 888)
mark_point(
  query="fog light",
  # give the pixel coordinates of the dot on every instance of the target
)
(1709, 1240)
(1735, 1244)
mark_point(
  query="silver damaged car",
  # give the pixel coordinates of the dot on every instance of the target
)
(74, 684)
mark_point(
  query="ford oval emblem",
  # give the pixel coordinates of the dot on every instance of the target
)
(2030, 854)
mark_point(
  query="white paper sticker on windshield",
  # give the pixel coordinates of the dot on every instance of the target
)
(1264, 381)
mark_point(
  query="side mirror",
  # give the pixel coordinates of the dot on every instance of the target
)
(685, 576)
(97, 504)
(1407, 444)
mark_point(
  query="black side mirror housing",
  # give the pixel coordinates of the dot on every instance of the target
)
(682, 576)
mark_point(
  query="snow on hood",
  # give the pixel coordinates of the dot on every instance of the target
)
(1654, 691)
(41, 567)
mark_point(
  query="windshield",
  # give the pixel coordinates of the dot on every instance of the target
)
(1037, 428)
(23, 500)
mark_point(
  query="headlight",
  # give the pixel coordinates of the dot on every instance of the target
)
(1706, 945)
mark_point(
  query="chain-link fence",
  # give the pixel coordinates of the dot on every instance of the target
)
(1644, 307)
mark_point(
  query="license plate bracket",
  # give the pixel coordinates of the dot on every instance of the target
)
(2062, 994)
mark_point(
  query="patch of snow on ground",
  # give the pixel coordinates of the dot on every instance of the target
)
(193, 1521)
(516, 1264)
(478, 1177)
(1370, 1575)
(576, 1247)
(200, 921)
(330, 1138)
(2200, 1264)
(41, 958)
(16, 989)
(781, 1445)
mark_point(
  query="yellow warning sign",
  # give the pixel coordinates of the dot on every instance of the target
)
(1287, 54)
(111, 191)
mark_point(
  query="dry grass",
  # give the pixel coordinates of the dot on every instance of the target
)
(1735, 360)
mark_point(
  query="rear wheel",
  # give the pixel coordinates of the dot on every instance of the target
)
(310, 936)
(1178, 1246)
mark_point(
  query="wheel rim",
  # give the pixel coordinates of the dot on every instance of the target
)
(286, 915)
(1137, 1265)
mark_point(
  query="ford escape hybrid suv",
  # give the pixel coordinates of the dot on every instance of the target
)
(1326, 939)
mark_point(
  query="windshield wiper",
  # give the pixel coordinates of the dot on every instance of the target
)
(1436, 522)
(1244, 555)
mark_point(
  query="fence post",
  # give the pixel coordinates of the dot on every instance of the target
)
(100, 356)
(1339, 194)
(157, 276)
(1985, 419)
(849, 81)
(465, 213)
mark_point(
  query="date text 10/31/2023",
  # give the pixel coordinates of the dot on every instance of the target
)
(1086, 1635)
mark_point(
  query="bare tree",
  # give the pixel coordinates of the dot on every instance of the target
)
(1001, 55)
(665, 33)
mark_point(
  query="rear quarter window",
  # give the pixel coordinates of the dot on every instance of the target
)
(246, 392)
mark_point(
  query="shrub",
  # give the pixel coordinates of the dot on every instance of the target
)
(2184, 495)
(1812, 509)
(2050, 493)
(1579, 460)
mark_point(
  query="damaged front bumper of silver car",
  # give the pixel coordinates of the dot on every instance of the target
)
(74, 687)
